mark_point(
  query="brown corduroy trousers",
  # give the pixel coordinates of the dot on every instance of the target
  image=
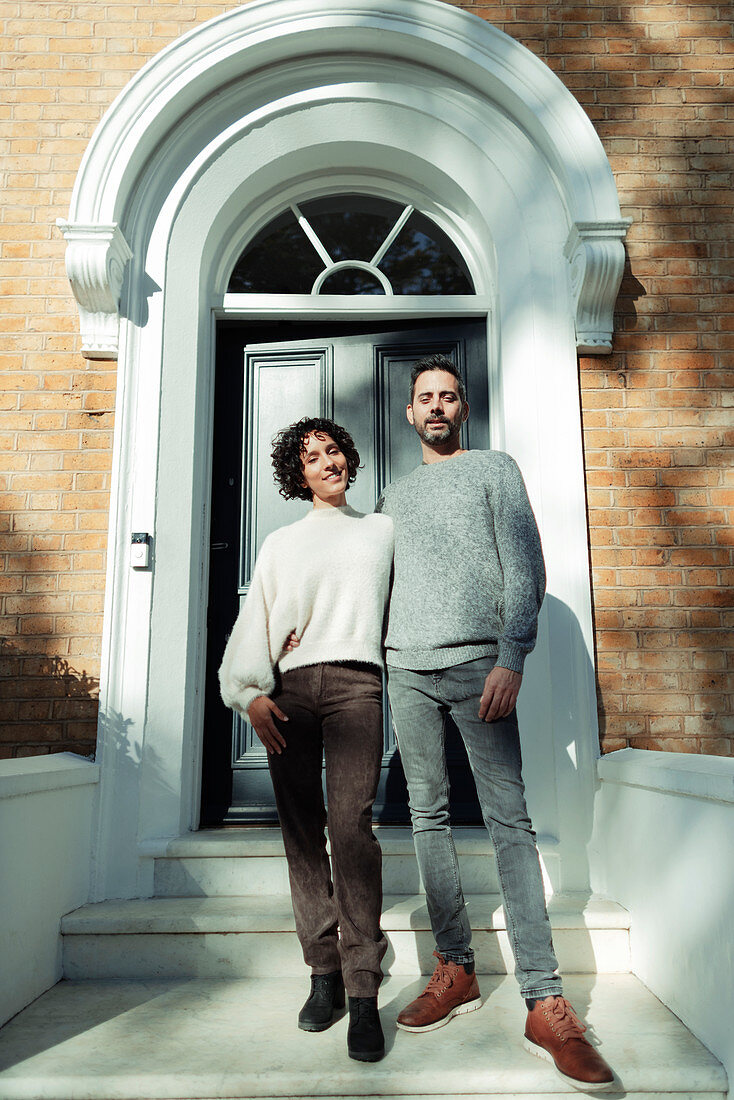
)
(334, 710)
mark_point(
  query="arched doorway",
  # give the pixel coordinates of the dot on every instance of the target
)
(275, 104)
(269, 373)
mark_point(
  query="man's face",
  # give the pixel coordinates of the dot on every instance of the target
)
(437, 412)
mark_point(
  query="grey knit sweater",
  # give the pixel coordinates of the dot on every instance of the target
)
(469, 574)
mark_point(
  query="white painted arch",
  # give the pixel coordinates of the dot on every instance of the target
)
(277, 102)
(169, 111)
(266, 33)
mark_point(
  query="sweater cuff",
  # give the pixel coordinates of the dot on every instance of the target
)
(242, 700)
(510, 656)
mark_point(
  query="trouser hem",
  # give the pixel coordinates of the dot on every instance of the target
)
(456, 958)
(361, 991)
(555, 990)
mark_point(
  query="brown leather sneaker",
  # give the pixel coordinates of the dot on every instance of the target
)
(554, 1032)
(450, 992)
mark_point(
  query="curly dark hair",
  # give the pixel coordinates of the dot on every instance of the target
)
(288, 448)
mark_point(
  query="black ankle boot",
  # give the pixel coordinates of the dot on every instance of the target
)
(327, 993)
(365, 1040)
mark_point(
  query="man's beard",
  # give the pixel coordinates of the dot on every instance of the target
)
(438, 435)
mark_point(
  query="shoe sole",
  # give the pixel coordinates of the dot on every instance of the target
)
(324, 1026)
(339, 1004)
(367, 1056)
(317, 1027)
(583, 1086)
(469, 1006)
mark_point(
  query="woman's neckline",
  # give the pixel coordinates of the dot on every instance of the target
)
(340, 509)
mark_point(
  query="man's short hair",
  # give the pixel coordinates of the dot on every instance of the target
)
(436, 362)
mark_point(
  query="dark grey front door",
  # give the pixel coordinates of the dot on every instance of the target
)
(359, 375)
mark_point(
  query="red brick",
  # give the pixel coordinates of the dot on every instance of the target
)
(653, 77)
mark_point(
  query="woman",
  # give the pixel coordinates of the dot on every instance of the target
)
(326, 579)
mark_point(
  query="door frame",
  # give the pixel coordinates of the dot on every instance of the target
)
(380, 314)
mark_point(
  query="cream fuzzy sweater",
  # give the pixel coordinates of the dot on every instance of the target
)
(327, 577)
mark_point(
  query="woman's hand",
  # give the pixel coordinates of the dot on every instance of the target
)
(260, 713)
(292, 642)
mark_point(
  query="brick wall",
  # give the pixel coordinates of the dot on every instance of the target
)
(656, 79)
(67, 62)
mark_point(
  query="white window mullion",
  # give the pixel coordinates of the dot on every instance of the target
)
(312, 235)
(380, 254)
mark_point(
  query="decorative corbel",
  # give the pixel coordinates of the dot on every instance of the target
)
(595, 251)
(96, 256)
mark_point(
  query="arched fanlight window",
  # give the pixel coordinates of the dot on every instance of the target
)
(351, 244)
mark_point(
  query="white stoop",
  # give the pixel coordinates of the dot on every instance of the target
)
(194, 993)
(252, 861)
(212, 884)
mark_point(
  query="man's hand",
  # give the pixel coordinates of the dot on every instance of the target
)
(500, 693)
(260, 712)
(292, 642)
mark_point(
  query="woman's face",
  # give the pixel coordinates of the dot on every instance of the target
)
(325, 470)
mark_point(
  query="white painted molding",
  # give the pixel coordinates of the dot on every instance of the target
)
(34, 774)
(179, 83)
(429, 33)
(595, 252)
(96, 256)
(346, 265)
(692, 774)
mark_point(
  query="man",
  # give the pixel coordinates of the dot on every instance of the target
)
(469, 581)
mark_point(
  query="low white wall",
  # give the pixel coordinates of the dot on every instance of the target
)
(663, 846)
(45, 842)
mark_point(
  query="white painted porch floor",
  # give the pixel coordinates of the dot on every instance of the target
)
(208, 1039)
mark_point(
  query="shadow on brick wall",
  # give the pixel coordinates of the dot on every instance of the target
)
(631, 290)
(47, 705)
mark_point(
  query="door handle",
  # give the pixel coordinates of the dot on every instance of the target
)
(219, 546)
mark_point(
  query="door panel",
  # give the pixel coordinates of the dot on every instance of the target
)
(279, 385)
(361, 378)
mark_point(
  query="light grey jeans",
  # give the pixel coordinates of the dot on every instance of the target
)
(420, 702)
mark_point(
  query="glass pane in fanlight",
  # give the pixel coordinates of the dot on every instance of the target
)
(280, 260)
(351, 280)
(351, 227)
(423, 260)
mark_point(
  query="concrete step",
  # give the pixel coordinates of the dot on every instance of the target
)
(209, 1039)
(255, 936)
(252, 861)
